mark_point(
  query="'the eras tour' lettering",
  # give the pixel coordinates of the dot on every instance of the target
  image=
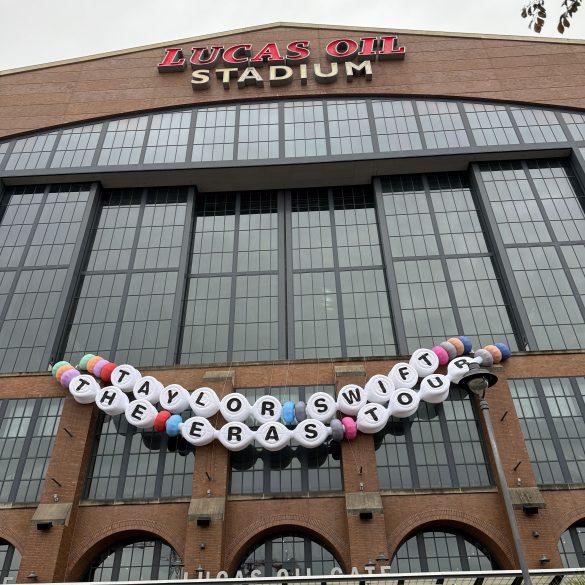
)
(243, 63)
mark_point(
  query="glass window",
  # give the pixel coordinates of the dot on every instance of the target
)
(18, 214)
(572, 547)
(258, 131)
(427, 310)
(438, 447)
(396, 125)
(233, 317)
(291, 552)
(214, 134)
(57, 228)
(576, 124)
(515, 206)
(126, 297)
(145, 560)
(349, 127)
(76, 146)
(293, 469)
(562, 199)
(552, 309)
(9, 562)
(437, 551)
(538, 125)
(31, 153)
(27, 435)
(133, 464)
(123, 141)
(551, 412)
(490, 124)
(168, 138)
(304, 129)
(161, 229)
(24, 334)
(442, 124)
(3, 150)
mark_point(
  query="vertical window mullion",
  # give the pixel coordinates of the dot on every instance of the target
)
(160, 469)
(284, 266)
(24, 454)
(462, 552)
(124, 462)
(410, 450)
(389, 274)
(422, 552)
(234, 276)
(178, 314)
(338, 295)
(289, 273)
(154, 569)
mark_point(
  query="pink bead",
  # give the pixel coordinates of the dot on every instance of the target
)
(350, 427)
(97, 369)
(441, 354)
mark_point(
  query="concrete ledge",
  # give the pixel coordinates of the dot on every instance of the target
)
(526, 496)
(55, 514)
(357, 502)
(357, 370)
(212, 508)
(219, 376)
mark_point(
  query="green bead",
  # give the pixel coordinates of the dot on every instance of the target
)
(57, 366)
(83, 361)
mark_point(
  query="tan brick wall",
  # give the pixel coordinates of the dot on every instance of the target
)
(511, 70)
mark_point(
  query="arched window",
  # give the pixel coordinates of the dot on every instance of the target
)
(9, 562)
(136, 561)
(436, 551)
(572, 546)
(292, 552)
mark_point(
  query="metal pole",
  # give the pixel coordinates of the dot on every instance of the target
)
(485, 410)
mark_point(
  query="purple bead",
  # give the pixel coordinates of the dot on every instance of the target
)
(97, 369)
(68, 376)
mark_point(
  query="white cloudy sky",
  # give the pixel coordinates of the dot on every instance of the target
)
(40, 31)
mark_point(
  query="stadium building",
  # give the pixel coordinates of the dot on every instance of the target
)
(285, 210)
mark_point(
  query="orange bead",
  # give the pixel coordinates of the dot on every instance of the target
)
(496, 353)
(92, 362)
(458, 345)
(62, 370)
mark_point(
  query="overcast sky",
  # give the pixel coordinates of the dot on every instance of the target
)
(41, 31)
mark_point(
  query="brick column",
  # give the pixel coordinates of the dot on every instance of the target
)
(365, 514)
(47, 550)
(204, 543)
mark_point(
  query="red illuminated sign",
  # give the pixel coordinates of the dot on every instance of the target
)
(242, 61)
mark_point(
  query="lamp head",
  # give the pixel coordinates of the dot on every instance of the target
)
(477, 380)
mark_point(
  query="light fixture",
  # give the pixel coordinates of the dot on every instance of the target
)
(33, 576)
(530, 509)
(382, 558)
(477, 380)
(366, 515)
(370, 565)
(203, 521)
(544, 560)
(44, 526)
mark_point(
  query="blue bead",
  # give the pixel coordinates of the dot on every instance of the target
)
(506, 353)
(172, 425)
(288, 413)
(467, 345)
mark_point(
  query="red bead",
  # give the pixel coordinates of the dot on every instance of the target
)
(160, 421)
(106, 373)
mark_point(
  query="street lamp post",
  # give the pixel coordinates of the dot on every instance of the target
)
(477, 381)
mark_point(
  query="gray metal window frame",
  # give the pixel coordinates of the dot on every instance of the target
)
(554, 437)
(23, 456)
(518, 314)
(235, 162)
(6, 567)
